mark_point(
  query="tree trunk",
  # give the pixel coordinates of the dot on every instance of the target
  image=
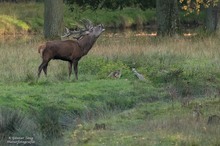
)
(211, 18)
(167, 17)
(218, 19)
(53, 18)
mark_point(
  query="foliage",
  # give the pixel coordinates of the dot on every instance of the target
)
(190, 5)
(196, 5)
(112, 4)
(16, 20)
(8, 22)
(33, 17)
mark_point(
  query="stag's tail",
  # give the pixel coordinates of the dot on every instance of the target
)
(41, 49)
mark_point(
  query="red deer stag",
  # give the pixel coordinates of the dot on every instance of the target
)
(70, 50)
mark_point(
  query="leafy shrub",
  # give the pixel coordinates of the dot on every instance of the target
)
(102, 67)
(190, 76)
(91, 65)
(112, 66)
(11, 23)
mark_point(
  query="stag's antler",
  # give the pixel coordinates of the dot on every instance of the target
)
(67, 33)
(87, 24)
(82, 32)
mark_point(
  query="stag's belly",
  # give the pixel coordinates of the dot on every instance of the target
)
(62, 58)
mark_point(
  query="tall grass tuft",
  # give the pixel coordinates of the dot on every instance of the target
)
(10, 122)
(49, 123)
(14, 123)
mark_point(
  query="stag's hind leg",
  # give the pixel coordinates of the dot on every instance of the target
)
(44, 67)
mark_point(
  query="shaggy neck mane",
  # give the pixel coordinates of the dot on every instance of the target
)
(86, 43)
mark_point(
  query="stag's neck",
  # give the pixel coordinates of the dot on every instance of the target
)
(86, 43)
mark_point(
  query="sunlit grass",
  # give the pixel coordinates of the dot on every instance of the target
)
(189, 47)
(14, 21)
(20, 58)
(20, 18)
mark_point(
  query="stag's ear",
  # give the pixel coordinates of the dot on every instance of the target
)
(87, 32)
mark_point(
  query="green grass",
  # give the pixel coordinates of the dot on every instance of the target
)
(154, 124)
(63, 111)
(134, 119)
(53, 104)
(67, 93)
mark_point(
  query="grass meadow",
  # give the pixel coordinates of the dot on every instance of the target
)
(171, 107)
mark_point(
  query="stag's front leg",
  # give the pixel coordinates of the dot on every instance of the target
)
(70, 68)
(76, 69)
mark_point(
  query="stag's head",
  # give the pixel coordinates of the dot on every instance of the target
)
(97, 30)
(94, 31)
